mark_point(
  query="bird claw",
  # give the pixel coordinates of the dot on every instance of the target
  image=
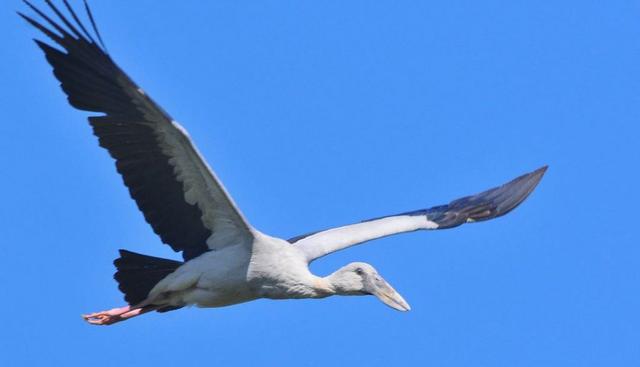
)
(109, 317)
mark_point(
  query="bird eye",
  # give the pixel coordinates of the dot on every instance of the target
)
(359, 271)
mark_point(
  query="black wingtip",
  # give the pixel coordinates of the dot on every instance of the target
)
(64, 38)
(77, 20)
(489, 204)
(529, 180)
(25, 17)
(94, 26)
(540, 171)
(28, 4)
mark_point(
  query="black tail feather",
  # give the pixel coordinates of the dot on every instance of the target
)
(137, 274)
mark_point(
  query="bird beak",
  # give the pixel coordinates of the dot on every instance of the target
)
(389, 296)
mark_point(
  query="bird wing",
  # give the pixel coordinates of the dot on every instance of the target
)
(178, 193)
(483, 206)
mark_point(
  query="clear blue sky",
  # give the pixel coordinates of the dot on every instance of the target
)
(317, 114)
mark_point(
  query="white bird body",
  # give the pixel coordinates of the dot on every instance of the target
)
(214, 279)
(269, 268)
(226, 260)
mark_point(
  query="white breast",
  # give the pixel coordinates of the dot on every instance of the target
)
(272, 268)
(213, 279)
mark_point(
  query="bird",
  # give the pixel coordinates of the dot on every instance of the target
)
(225, 260)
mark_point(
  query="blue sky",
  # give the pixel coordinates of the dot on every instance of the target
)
(317, 114)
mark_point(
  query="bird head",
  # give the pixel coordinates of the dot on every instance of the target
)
(359, 279)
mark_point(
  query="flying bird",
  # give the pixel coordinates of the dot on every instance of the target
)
(226, 261)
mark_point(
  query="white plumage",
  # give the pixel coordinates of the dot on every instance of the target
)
(226, 260)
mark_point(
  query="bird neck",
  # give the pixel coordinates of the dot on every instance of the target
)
(322, 287)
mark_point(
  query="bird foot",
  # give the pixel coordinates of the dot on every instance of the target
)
(112, 316)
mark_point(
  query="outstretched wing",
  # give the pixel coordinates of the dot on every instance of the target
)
(179, 195)
(483, 206)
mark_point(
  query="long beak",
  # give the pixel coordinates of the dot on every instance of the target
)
(389, 296)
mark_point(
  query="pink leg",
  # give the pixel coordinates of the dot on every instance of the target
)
(115, 315)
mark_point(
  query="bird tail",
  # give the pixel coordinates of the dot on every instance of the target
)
(137, 274)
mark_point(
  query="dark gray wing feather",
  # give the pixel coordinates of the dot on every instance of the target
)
(174, 188)
(486, 205)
